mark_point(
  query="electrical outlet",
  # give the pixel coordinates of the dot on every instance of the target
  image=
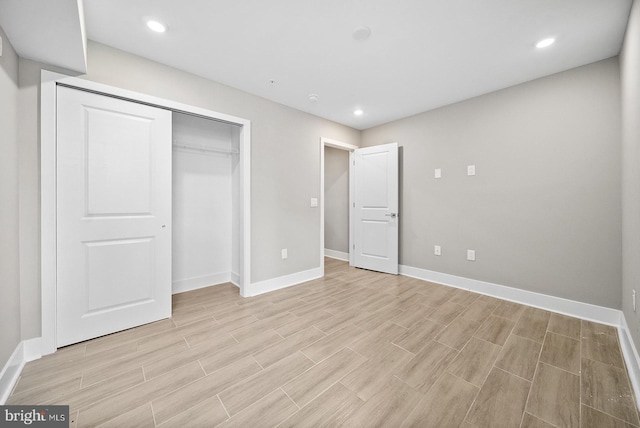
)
(314, 202)
(471, 255)
(437, 173)
(284, 253)
(471, 170)
(437, 250)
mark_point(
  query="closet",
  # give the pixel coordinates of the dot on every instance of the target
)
(149, 200)
(205, 207)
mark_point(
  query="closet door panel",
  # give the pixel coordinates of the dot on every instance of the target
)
(119, 163)
(113, 215)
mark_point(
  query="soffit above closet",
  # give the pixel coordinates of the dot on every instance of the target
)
(420, 55)
(47, 31)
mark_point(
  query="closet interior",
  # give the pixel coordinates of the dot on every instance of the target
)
(205, 208)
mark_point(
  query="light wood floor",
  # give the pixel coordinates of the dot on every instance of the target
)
(355, 348)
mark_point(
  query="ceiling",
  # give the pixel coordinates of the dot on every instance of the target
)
(421, 54)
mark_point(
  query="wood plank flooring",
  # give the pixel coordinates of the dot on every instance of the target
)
(355, 349)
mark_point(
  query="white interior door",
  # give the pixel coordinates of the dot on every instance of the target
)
(113, 215)
(375, 211)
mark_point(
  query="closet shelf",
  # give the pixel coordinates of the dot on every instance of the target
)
(203, 148)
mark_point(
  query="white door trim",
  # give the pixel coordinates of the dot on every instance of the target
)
(49, 81)
(324, 142)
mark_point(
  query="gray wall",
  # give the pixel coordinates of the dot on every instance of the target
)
(9, 210)
(336, 199)
(630, 72)
(543, 212)
(285, 162)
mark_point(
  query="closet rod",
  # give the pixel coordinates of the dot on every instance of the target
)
(203, 148)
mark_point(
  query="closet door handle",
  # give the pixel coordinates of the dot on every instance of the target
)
(392, 215)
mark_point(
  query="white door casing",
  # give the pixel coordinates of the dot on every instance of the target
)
(113, 215)
(376, 208)
(328, 142)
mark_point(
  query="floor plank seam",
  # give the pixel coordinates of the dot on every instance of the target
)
(257, 362)
(153, 414)
(560, 368)
(515, 375)
(544, 420)
(473, 402)
(533, 379)
(609, 414)
(292, 400)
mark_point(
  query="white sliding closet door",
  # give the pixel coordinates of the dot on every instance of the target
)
(113, 215)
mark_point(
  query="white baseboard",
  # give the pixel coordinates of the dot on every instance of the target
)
(336, 254)
(568, 307)
(273, 284)
(27, 350)
(11, 372)
(630, 354)
(235, 279)
(189, 284)
(32, 349)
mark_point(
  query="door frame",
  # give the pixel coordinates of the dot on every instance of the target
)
(48, 198)
(328, 142)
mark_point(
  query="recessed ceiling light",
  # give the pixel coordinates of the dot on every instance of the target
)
(545, 42)
(361, 33)
(156, 26)
(358, 112)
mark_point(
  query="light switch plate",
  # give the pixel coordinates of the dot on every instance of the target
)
(314, 202)
(437, 173)
(437, 250)
(471, 170)
(284, 253)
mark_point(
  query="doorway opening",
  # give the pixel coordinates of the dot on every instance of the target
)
(372, 205)
(335, 203)
(206, 190)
